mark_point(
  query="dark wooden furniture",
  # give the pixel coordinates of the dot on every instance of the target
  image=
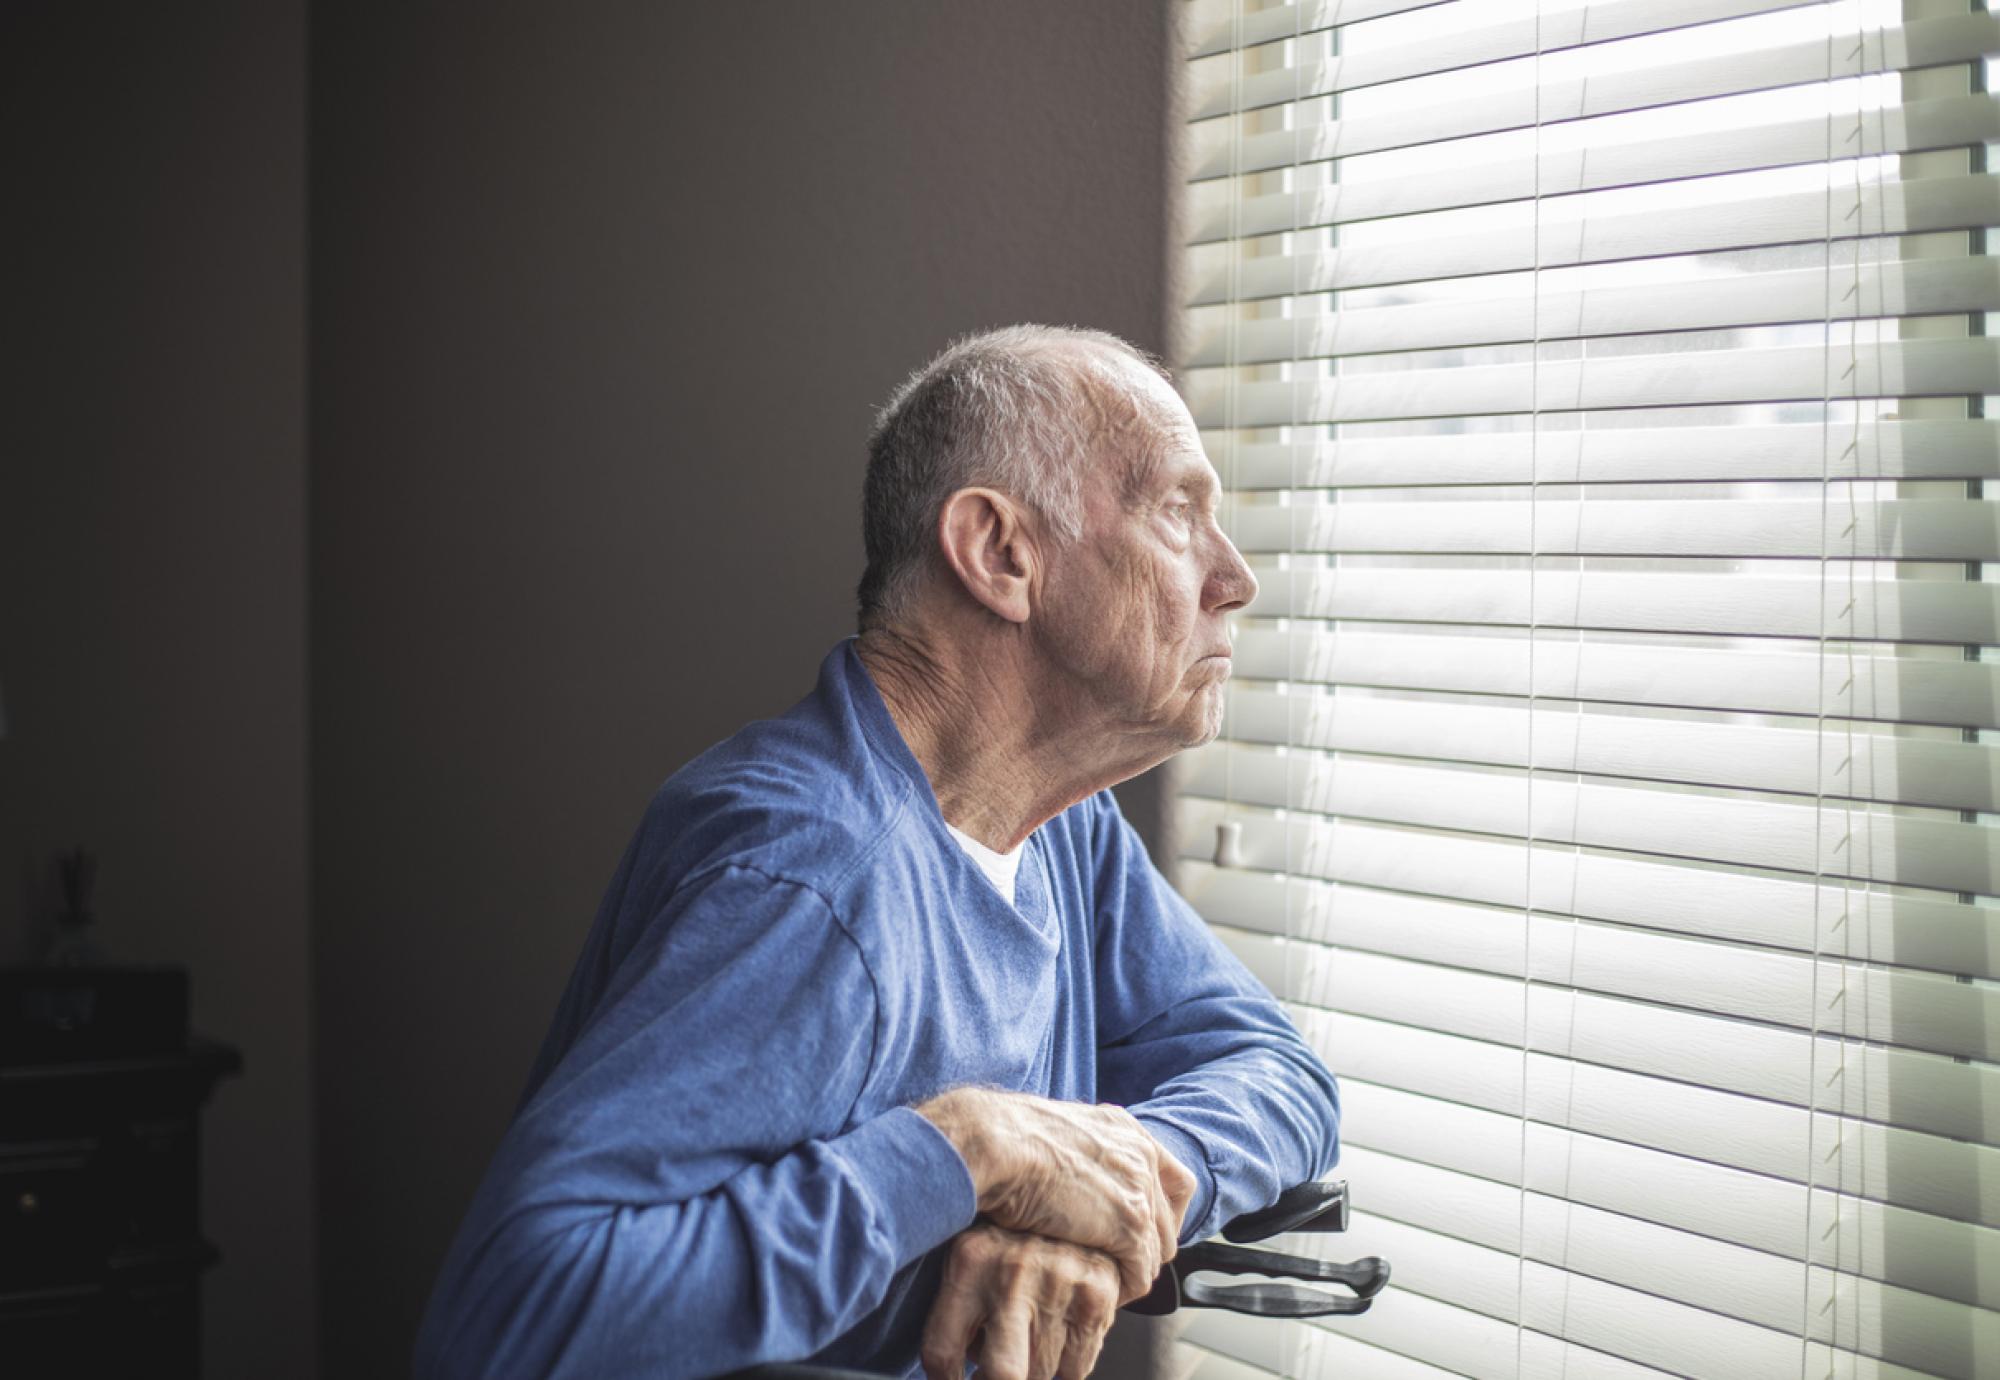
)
(101, 1250)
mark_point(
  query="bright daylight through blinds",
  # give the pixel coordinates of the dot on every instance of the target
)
(1609, 776)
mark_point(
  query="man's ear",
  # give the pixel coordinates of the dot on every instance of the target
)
(984, 537)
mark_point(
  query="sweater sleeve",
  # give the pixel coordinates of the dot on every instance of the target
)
(685, 1192)
(1196, 1047)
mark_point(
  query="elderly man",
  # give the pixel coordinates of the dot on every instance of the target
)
(889, 1043)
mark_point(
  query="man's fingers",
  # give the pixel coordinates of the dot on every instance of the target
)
(1003, 1354)
(1045, 1346)
(1179, 1182)
(1092, 1308)
(1020, 1306)
(1135, 1276)
(1138, 1255)
(1166, 1221)
(1131, 1165)
(948, 1335)
(1080, 1352)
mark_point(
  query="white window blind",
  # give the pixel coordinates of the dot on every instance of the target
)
(1610, 772)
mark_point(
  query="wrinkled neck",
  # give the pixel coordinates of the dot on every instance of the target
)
(1000, 763)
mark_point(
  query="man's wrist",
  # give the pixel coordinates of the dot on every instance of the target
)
(966, 1119)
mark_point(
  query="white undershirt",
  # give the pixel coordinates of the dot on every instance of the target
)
(999, 868)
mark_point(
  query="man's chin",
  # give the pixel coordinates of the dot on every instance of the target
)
(1199, 740)
(1207, 725)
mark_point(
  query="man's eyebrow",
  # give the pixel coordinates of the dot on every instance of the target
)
(1166, 480)
(1200, 483)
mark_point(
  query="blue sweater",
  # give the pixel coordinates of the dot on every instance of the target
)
(715, 1163)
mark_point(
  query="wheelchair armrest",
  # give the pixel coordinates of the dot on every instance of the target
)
(1317, 1206)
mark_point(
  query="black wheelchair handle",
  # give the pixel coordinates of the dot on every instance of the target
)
(1182, 1284)
(1365, 1276)
(1270, 1299)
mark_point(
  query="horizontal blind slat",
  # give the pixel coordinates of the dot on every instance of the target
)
(1449, 48)
(1284, 21)
(1695, 602)
(1893, 529)
(1675, 1267)
(1836, 215)
(1221, 151)
(1802, 373)
(1916, 43)
(1216, 215)
(1203, 1364)
(1467, 1291)
(1867, 844)
(1614, 997)
(1886, 449)
(1851, 1235)
(1456, 1104)
(1851, 764)
(1781, 681)
(1751, 299)
(1365, 876)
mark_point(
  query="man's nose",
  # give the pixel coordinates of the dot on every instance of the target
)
(1234, 583)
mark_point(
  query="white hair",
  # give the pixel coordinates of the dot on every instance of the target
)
(1019, 409)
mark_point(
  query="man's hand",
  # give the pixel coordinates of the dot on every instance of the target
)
(1037, 1308)
(1090, 1176)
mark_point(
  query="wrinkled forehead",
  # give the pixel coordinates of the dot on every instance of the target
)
(1142, 426)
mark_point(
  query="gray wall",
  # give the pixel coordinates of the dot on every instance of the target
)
(600, 305)
(152, 570)
(602, 297)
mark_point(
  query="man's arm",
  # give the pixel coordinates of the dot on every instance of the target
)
(1196, 1047)
(682, 1195)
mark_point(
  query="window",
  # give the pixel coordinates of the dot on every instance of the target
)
(1609, 775)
